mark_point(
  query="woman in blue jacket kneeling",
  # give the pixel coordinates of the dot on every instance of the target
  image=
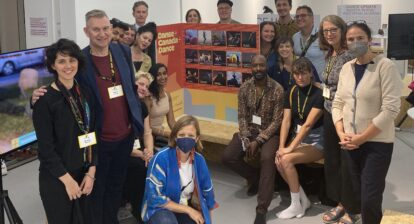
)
(178, 187)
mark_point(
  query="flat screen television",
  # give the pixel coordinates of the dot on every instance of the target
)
(401, 36)
(20, 73)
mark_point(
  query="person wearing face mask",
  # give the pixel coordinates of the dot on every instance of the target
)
(179, 188)
(144, 38)
(141, 154)
(260, 101)
(364, 108)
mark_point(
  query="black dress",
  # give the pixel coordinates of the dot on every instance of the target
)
(57, 132)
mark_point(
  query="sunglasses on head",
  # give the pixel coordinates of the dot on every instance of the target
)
(350, 23)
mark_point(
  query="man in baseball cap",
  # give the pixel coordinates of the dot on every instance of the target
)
(224, 8)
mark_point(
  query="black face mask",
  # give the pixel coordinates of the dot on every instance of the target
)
(259, 75)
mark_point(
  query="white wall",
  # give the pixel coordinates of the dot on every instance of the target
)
(39, 9)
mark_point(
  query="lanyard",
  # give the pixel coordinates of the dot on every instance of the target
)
(82, 120)
(329, 67)
(106, 78)
(257, 104)
(300, 112)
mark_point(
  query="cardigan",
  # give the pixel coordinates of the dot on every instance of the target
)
(375, 100)
(163, 184)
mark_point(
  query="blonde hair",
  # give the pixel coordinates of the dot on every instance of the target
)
(147, 75)
(181, 123)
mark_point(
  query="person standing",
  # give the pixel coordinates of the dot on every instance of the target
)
(64, 121)
(332, 38)
(285, 24)
(224, 9)
(306, 42)
(364, 108)
(267, 45)
(260, 112)
(140, 13)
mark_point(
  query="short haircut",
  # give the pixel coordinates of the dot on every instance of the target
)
(340, 24)
(139, 3)
(302, 65)
(180, 124)
(188, 13)
(307, 8)
(95, 13)
(289, 1)
(65, 47)
(141, 74)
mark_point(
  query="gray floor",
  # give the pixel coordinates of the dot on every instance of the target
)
(235, 206)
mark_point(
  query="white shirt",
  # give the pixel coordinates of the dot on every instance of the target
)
(186, 181)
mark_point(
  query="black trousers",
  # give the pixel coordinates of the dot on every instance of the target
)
(111, 171)
(59, 209)
(233, 158)
(337, 172)
(134, 186)
(369, 166)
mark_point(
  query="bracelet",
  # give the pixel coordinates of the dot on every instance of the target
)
(90, 176)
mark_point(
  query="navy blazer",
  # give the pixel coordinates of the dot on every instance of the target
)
(122, 59)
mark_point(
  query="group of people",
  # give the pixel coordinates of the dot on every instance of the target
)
(316, 92)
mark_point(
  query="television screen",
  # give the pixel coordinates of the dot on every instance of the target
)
(20, 73)
(401, 36)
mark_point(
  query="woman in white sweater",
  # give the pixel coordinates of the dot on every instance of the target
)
(365, 106)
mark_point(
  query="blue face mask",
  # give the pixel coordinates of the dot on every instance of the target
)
(186, 144)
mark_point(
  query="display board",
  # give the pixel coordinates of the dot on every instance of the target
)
(370, 13)
(209, 62)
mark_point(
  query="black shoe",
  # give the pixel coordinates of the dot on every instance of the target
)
(260, 218)
(253, 189)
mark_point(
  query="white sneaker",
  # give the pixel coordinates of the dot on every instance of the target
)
(3, 168)
(290, 212)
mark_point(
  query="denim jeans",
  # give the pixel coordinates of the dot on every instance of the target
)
(165, 216)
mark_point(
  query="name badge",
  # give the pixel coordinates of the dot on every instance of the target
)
(87, 140)
(115, 91)
(326, 93)
(298, 127)
(257, 120)
(137, 144)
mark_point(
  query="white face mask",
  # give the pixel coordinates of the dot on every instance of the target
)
(358, 48)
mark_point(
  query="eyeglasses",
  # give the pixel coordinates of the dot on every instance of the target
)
(332, 31)
(301, 16)
(350, 23)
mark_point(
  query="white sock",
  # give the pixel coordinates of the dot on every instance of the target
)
(304, 202)
(294, 209)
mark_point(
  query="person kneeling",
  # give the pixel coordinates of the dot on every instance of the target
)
(302, 113)
(178, 188)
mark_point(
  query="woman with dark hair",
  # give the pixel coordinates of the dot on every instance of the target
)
(364, 108)
(160, 103)
(64, 122)
(282, 72)
(179, 189)
(303, 114)
(144, 38)
(193, 16)
(332, 39)
(267, 44)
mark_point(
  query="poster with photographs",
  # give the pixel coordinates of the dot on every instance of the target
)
(233, 39)
(191, 56)
(234, 79)
(219, 78)
(249, 39)
(204, 37)
(191, 75)
(191, 37)
(205, 76)
(233, 58)
(247, 59)
(205, 58)
(218, 38)
(246, 77)
(219, 58)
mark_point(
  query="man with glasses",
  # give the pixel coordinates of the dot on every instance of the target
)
(306, 43)
(224, 9)
(285, 25)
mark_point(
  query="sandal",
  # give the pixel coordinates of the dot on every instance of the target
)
(333, 215)
(349, 219)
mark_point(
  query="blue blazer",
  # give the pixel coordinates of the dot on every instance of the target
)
(122, 59)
